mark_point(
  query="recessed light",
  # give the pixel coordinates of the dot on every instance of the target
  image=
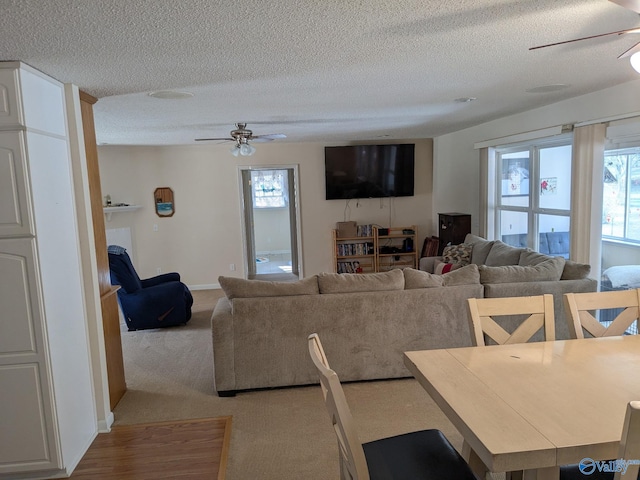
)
(170, 94)
(465, 99)
(553, 87)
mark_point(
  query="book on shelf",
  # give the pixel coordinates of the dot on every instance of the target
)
(364, 230)
(355, 249)
(349, 267)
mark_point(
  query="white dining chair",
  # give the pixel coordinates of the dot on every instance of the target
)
(481, 321)
(424, 455)
(581, 311)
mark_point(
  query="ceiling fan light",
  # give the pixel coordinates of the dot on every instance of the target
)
(635, 61)
(235, 150)
(246, 149)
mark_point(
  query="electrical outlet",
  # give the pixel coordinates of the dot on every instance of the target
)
(158, 270)
(155, 227)
(232, 267)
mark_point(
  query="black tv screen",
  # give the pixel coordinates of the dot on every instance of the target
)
(369, 171)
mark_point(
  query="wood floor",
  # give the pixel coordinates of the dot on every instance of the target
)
(188, 449)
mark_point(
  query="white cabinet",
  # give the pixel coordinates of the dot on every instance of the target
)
(15, 211)
(47, 413)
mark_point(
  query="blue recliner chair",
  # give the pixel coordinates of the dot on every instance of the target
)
(156, 302)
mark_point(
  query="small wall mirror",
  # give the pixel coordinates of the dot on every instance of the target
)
(163, 198)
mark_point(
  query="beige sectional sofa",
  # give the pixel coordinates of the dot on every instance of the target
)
(507, 271)
(366, 321)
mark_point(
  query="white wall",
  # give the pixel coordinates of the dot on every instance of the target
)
(204, 236)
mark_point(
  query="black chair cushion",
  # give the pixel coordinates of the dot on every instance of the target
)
(426, 454)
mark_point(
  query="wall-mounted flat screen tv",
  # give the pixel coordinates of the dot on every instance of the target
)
(369, 171)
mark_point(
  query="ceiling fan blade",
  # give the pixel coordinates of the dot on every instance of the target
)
(631, 51)
(270, 136)
(619, 32)
(219, 139)
(630, 4)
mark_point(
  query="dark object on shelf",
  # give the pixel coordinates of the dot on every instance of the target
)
(383, 232)
(155, 302)
(453, 227)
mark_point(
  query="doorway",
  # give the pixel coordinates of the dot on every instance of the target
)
(271, 223)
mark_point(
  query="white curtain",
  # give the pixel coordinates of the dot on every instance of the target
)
(586, 195)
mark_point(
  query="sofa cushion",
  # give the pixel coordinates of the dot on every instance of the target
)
(241, 288)
(549, 270)
(457, 253)
(531, 257)
(558, 243)
(503, 254)
(418, 279)
(361, 282)
(467, 275)
(575, 271)
(480, 248)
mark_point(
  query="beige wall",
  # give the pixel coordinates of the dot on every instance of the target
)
(271, 226)
(204, 236)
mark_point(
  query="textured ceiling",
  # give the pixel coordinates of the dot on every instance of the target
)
(328, 71)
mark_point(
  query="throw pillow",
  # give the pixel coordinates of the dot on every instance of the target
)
(457, 253)
(467, 275)
(503, 254)
(241, 288)
(361, 282)
(575, 271)
(549, 270)
(443, 267)
(418, 279)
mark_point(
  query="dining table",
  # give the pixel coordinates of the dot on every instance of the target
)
(533, 407)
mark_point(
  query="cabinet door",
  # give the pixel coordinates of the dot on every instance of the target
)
(15, 211)
(28, 437)
(10, 113)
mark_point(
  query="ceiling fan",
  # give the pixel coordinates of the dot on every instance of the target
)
(635, 59)
(242, 135)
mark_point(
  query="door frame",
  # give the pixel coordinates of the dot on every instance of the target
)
(295, 198)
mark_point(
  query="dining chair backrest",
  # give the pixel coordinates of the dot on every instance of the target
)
(353, 463)
(581, 307)
(481, 321)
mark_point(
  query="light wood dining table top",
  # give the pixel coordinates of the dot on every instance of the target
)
(535, 405)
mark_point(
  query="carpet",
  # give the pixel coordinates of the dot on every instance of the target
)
(278, 434)
(193, 449)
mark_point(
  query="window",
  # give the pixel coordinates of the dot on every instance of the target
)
(621, 195)
(534, 195)
(269, 188)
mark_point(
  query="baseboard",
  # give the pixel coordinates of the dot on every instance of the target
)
(104, 426)
(212, 286)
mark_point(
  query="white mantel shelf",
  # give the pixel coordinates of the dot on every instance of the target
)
(110, 210)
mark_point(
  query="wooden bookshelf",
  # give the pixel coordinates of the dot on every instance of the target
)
(375, 249)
